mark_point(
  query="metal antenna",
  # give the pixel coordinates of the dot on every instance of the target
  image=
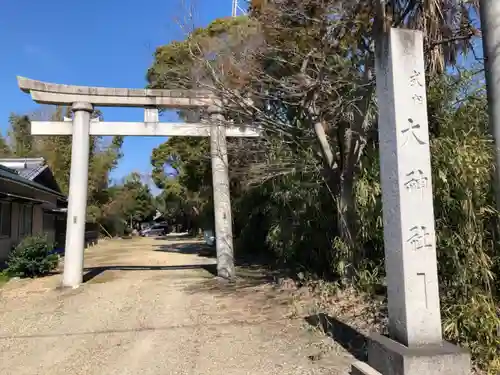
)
(236, 9)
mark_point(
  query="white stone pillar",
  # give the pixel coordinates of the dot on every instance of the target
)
(222, 199)
(490, 27)
(414, 345)
(77, 202)
(405, 163)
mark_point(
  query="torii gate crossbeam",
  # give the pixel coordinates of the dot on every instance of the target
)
(83, 99)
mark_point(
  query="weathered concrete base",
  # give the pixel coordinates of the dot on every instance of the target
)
(361, 368)
(388, 357)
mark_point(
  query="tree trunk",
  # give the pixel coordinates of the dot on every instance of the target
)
(340, 178)
(346, 224)
(326, 150)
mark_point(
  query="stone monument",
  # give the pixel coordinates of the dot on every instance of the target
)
(415, 345)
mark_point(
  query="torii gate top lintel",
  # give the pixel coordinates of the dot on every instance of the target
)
(54, 93)
(86, 97)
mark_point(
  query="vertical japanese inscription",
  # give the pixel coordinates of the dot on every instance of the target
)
(416, 82)
(419, 238)
(416, 181)
(411, 132)
(417, 98)
(416, 79)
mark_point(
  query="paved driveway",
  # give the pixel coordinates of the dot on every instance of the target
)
(153, 307)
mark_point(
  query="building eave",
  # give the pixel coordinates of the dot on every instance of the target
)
(7, 174)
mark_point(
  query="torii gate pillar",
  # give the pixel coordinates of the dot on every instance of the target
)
(77, 201)
(222, 198)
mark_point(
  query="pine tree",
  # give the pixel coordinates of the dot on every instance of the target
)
(20, 135)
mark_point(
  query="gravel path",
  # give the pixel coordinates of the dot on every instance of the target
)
(152, 307)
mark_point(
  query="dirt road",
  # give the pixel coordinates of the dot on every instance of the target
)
(153, 307)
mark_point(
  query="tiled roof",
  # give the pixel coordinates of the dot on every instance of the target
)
(28, 168)
(12, 175)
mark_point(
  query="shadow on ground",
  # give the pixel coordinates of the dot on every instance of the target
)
(93, 272)
(252, 282)
(178, 236)
(351, 340)
(187, 248)
(203, 250)
(96, 332)
(251, 271)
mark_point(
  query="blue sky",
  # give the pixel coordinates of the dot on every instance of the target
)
(95, 43)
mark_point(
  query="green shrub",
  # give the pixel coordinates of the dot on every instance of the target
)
(298, 223)
(475, 324)
(4, 277)
(32, 257)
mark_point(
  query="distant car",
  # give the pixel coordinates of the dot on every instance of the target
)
(155, 230)
(209, 237)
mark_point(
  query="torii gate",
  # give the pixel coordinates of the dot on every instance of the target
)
(83, 99)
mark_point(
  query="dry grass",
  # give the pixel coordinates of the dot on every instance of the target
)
(331, 304)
